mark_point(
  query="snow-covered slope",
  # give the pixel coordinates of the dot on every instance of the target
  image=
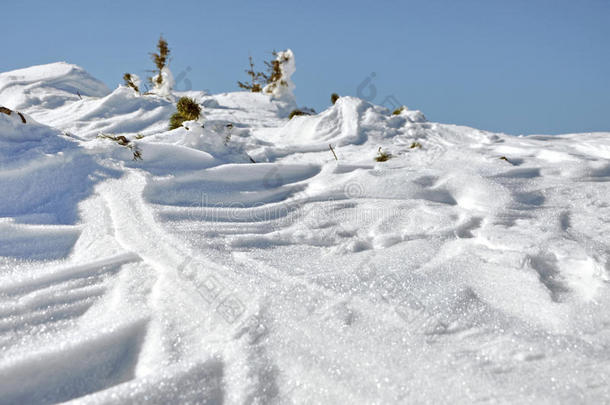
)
(469, 267)
(44, 87)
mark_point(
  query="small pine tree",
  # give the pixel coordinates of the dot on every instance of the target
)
(129, 82)
(333, 98)
(188, 110)
(274, 69)
(255, 79)
(160, 60)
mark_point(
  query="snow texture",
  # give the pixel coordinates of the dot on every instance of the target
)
(469, 267)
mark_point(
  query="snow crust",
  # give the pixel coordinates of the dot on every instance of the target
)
(469, 267)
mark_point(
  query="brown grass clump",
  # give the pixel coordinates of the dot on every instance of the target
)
(188, 110)
(399, 110)
(382, 156)
(298, 112)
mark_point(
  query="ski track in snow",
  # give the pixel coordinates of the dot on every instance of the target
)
(444, 275)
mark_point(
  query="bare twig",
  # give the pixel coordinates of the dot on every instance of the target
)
(8, 111)
(121, 140)
(333, 151)
(128, 79)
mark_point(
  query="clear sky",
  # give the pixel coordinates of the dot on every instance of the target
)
(518, 66)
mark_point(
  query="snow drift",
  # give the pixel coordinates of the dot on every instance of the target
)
(47, 87)
(471, 266)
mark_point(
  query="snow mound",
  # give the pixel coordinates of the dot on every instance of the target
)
(47, 86)
(13, 129)
(43, 174)
(122, 111)
(350, 121)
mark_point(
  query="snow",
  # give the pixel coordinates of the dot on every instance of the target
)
(47, 86)
(443, 275)
(164, 88)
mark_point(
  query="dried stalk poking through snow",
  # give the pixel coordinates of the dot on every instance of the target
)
(121, 140)
(382, 156)
(333, 151)
(130, 81)
(8, 111)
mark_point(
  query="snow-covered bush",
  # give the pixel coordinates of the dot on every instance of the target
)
(188, 110)
(279, 84)
(163, 81)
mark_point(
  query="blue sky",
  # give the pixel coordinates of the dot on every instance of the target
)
(514, 66)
